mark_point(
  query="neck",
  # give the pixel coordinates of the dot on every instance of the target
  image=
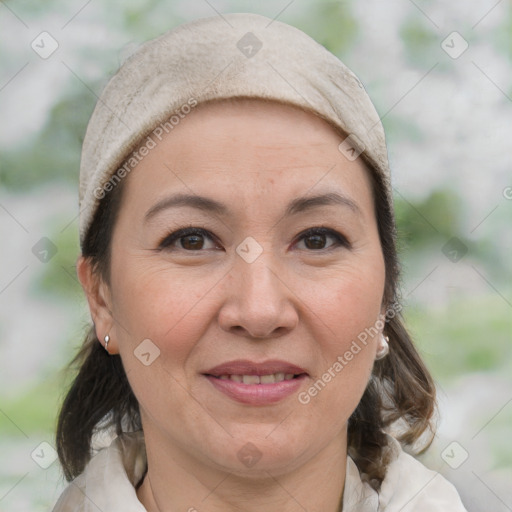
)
(176, 481)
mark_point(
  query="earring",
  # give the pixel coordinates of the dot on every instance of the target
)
(106, 339)
(383, 349)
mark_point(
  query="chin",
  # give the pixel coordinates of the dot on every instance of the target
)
(257, 451)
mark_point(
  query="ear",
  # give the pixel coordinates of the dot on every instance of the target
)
(98, 297)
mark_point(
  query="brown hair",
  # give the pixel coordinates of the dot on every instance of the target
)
(400, 387)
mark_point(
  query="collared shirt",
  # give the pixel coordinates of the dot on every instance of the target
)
(110, 480)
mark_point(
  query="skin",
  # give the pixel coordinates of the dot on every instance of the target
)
(299, 302)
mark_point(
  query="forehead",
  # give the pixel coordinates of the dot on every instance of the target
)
(244, 148)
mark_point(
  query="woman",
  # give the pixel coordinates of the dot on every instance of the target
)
(239, 261)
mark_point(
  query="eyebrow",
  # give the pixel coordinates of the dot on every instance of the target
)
(206, 204)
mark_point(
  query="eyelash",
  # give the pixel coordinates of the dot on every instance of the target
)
(320, 230)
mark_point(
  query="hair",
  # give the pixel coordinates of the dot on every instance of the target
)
(400, 390)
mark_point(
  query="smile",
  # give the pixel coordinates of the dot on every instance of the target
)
(259, 379)
(258, 390)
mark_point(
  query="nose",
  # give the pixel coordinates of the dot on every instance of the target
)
(258, 302)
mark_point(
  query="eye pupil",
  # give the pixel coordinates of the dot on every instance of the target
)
(318, 241)
(197, 242)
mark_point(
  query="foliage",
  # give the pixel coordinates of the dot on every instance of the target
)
(419, 39)
(55, 152)
(471, 334)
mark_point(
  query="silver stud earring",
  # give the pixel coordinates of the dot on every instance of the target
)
(106, 339)
(383, 349)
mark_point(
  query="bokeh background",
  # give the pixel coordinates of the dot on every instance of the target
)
(440, 76)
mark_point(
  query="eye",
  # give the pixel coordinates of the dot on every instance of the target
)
(192, 239)
(189, 239)
(315, 239)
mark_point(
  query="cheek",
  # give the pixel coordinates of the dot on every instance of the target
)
(348, 304)
(348, 308)
(166, 306)
(171, 309)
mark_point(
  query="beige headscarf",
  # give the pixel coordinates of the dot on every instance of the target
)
(233, 55)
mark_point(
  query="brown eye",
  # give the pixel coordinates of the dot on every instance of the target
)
(192, 242)
(315, 242)
(188, 239)
(316, 239)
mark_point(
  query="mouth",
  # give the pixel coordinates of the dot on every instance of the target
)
(254, 383)
(252, 372)
(270, 378)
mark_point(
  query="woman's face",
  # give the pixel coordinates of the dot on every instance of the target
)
(249, 284)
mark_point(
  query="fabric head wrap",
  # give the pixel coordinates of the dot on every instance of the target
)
(236, 55)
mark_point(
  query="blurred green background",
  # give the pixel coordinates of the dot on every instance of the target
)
(448, 125)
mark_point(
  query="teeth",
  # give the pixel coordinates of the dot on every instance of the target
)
(259, 379)
(279, 376)
(250, 379)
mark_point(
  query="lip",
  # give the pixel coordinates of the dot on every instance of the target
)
(246, 367)
(256, 394)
